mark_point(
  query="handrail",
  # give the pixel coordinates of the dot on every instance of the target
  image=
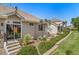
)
(3, 44)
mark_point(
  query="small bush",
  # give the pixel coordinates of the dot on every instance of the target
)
(26, 39)
(68, 52)
(28, 50)
(44, 38)
(74, 29)
(44, 46)
(39, 38)
(21, 42)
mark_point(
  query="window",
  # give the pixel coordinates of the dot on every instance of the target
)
(59, 28)
(16, 22)
(31, 24)
(2, 24)
(40, 27)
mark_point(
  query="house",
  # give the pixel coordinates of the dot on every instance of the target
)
(15, 23)
(55, 26)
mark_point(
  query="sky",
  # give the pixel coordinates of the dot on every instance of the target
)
(61, 11)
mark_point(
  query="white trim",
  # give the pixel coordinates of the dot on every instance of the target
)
(21, 29)
(11, 22)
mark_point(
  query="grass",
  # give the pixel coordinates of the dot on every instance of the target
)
(70, 44)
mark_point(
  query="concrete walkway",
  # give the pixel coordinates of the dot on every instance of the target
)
(56, 45)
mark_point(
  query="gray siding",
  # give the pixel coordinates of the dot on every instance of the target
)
(2, 27)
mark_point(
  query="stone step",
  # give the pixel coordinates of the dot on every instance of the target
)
(13, 48)
(14, 42)
(14, 52)
(12, 45)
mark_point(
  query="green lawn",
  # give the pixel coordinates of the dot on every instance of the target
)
(70, 45)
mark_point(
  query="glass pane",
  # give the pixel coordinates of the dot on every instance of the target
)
(9, 31)
(17, 31)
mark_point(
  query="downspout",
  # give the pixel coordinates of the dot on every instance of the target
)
(35, 32)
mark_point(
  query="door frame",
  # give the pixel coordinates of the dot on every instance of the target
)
(11, 22)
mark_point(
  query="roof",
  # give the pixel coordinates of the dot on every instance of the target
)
(27, 17)
(56, 20)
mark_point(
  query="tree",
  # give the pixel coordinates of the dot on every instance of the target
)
(75, 21)
(65, 23)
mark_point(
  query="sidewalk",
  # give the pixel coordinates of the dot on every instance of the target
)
(56, 45)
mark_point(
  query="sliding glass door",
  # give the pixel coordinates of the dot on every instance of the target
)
(9, 31)
(13, 31)
(17, 31)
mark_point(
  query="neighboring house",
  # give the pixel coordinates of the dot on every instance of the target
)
(55, 26)
(59, 24)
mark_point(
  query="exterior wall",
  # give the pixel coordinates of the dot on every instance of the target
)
(41, 33)
(27, 29)
(32, 30)
(52, 29)
(2, 27)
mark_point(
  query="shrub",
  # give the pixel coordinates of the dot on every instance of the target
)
(44, 46)
(28, 50)
(21, 42)
(40, 38)
(44, 38)
(74, 29)
(26, 39)
(68, 52)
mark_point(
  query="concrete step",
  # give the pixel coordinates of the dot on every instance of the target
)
(14, 52)
(12, 42)
(12, 45)
(13, 48)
